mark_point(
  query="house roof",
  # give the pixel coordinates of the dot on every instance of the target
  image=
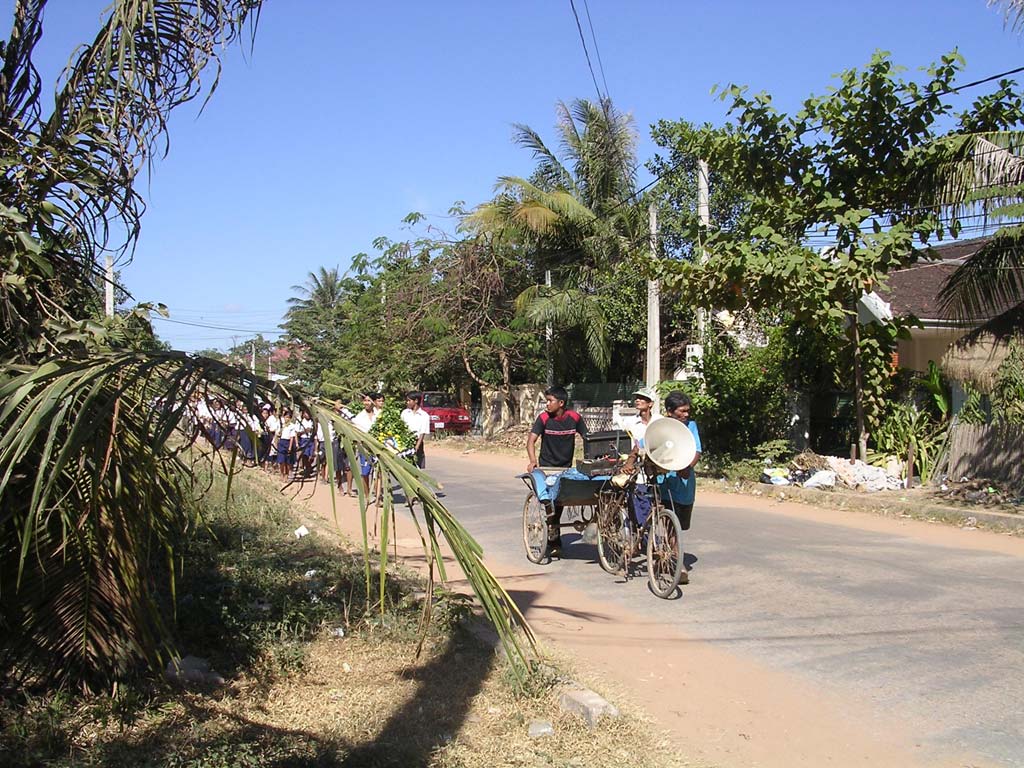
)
(914, 290)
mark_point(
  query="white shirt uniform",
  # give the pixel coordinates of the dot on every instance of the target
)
(417, 421)
(364, 420)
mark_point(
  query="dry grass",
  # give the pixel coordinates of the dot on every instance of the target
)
(298, 697)
(364, 701)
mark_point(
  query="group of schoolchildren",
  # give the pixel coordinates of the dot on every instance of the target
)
(557, 427)
(297, 447)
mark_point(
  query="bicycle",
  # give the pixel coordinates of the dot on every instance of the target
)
(621, 536)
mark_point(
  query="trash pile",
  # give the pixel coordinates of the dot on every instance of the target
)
(978, 491)
(809, 470)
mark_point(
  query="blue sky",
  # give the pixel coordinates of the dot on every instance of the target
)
(346, 117)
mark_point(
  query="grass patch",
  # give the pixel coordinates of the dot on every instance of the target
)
(263, 608)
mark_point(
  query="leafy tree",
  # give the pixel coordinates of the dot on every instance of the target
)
(96, 488)
(570, 217)
(315, 321)
(242, 354)
(848, 170)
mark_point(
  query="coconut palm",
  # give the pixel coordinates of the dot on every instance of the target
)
(96, 475)
(970, 175)
(1013, 12)
(574, 214)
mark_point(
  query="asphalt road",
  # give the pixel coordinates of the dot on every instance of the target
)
(930, 635)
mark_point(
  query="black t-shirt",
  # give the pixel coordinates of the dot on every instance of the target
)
(558, 437)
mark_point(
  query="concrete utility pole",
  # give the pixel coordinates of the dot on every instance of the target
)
(109, 297)
(704, 214)
(547, 337)
(253, 367)
(653, 308)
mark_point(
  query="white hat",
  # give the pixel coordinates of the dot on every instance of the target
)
(646, 394)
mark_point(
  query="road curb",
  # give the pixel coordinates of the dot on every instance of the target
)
(881, 503)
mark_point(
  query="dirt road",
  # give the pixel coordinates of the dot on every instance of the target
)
(806, 637)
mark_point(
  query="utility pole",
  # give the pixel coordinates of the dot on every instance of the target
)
(547, 336)
(704, 214)
(253, 366)
(109, 297)
(653, 308)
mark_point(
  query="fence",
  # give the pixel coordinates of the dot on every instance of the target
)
(495, 414)
(992, 451)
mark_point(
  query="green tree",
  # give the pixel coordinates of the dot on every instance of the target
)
(846, 171)
(95, 487)
(571, 218)
(315, 321)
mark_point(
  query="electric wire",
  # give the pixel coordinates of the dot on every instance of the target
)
(253, 331)
(597, 50)
(678, 164)
(583, 39)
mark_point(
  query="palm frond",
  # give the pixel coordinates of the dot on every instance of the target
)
(988, 282)
(1013, 12)
(540, 306)
(85, 445)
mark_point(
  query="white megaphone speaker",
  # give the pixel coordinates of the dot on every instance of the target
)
(670, 444)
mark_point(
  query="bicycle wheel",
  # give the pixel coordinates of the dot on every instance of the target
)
(664, 551)
(612, 532)
(535, 529)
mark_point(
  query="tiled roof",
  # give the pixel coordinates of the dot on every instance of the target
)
(914, 290)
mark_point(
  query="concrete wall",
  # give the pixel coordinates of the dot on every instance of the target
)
(926, 344)
(496, 414)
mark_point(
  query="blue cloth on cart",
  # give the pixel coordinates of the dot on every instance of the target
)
(546, 486)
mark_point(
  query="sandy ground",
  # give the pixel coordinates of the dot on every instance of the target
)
(718, 706)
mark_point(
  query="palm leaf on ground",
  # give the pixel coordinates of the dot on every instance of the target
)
(85, 446)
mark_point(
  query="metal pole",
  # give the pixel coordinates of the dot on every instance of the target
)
(704, 214)
(109, 297)
(653, 308)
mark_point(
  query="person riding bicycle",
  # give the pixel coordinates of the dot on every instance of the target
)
(557, 427)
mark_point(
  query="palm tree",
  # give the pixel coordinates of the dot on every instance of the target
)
(1013, 12)
(324, 289)
(574, 215)
(968, 175)
(94, 481)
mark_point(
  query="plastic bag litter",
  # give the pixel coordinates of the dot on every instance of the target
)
(823, 478)
(775, 476)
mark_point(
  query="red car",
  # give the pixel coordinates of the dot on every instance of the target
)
(445, 413)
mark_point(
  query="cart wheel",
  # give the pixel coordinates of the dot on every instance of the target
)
(664, 552)
(613, 533)
(535, 529)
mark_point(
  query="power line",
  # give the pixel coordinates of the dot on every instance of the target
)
(678, 164)
(597, 51)
(586, 53)
(215, 327)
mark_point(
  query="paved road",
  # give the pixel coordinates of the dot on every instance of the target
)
(930, 635)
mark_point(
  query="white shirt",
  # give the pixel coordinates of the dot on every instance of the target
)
(417, 421)
(364, 420)
(289, 430)
(638, 431)
(272, 424)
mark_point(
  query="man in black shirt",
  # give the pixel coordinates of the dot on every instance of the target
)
(557, 428)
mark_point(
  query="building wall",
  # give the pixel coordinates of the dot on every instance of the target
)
(926, 344)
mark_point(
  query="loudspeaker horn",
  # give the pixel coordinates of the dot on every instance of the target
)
(670, 444)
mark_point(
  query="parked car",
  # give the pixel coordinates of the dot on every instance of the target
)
(446, 413)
